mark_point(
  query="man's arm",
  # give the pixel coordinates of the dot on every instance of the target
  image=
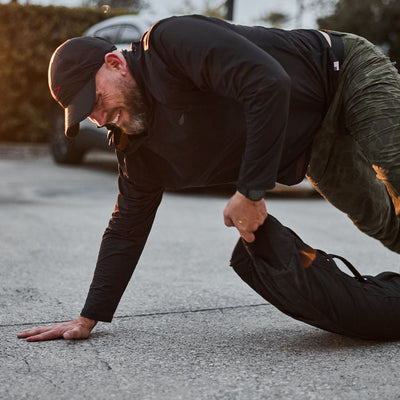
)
(210, 56)
(213, 57)
(122, 245)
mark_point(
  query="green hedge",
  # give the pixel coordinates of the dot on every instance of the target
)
(28, 36)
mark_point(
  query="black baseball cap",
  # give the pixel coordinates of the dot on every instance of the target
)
(72, 71)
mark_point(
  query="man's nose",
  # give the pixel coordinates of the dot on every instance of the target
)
(99, 117)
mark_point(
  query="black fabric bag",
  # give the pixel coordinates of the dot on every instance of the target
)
(307, 285)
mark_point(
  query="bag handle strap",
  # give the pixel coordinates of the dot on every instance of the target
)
(351, 267)
(348, 264)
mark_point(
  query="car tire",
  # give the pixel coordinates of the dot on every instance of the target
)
(62, 148)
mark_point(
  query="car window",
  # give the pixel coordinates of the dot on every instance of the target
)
(128, 34)
(110, 33)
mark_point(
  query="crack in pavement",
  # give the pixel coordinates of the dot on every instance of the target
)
(99, 357)
(222, 309)
(27, 364)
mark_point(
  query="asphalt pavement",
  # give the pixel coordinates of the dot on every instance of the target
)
(187, 326)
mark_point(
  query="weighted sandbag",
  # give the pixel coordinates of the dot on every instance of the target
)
(307, 285)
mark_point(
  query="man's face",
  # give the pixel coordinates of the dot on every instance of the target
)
(118, 101)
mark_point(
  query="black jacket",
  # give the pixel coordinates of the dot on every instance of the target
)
(228, 104)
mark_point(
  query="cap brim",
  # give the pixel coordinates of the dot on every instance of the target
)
(80, 108)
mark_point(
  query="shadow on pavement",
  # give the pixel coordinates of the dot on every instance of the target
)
(106, 162)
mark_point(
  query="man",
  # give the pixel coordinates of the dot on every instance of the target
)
(201, 102)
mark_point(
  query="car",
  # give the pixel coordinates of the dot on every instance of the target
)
(121, 31)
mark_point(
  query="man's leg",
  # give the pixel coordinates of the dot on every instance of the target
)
(355, 162)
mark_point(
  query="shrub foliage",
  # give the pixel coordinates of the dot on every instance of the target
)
(29, 35)
(376, 20)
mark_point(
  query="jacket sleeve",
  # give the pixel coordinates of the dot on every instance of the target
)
(121, 247)
(215, 58)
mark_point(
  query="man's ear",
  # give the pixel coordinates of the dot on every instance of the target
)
(114, 61)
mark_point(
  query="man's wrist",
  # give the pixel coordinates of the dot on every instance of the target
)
(90, 323)
(252, 194)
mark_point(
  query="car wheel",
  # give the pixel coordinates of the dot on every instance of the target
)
(62, 148)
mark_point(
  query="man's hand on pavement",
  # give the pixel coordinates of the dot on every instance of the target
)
(79, 328)
(246, 215)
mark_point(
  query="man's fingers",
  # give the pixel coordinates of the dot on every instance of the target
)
(69, 335)
(43, 333)
(24, 334)
(49, 335)
(76, 333)
(228, 221)
(32, 332)
(246, 229)
(38, 338)
(248, 236)
(57, 333)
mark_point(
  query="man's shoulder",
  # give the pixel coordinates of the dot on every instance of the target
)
(179, 20)
(178, 26)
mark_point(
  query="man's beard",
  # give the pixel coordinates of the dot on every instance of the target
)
(136, 108)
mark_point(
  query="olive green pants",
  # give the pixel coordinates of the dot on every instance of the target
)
(355, 158)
